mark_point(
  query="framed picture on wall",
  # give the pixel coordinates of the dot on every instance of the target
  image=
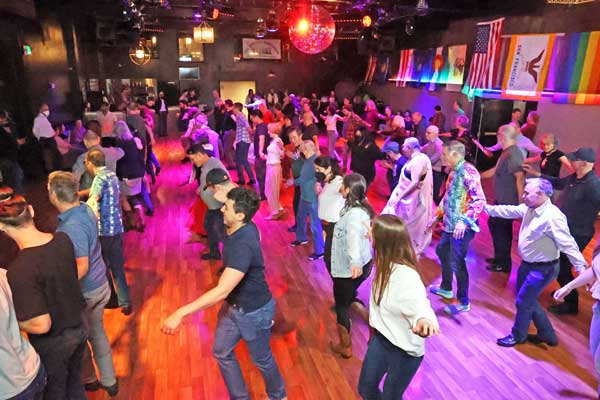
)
(187, 73)
(190, 50)
(261, 49)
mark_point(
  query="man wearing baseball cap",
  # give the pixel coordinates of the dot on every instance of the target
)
(580, 202)
(219, 182)
(201, 155)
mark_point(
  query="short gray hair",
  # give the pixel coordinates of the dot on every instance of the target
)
(509, 131)
(543, 185)
(455, 145)
(433, 129)
(122, 131)
(64, 186)
(412, 143)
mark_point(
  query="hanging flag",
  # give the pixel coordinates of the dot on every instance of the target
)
(371, 65)
(456, 64)
(574, 73)
(483, 62)
(527, 66)
(404, 67)
(381, 70)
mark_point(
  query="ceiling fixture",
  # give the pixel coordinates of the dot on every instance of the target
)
(366, 21)
(311, 29)
(409, 26)
(261, 28)
(272, 22)
(422, 7)
(568, 2)
(204, 33)
(271, 74)
(140, 54)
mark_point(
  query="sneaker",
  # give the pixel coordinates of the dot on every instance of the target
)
(292, 228)
(498, 268)
(299, 242)
(112, 390)
(315, 256)
(536, 339)
(92, 386)
(447, 294)
(209, 256)
(454, 309)
(126, 310)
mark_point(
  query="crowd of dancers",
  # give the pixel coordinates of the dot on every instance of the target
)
(59, 284)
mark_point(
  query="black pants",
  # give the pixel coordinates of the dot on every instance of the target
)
(50, 154)
(61, 356)
(345, 292)
(502, 236)
(328, 229)
(565, 274)
(439, 178)
(112, 254)
(260, 170)
(215, 230)
(162, 123)
(296, 200)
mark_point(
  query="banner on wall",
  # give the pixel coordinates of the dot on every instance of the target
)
(377, 69)
(527, 66)
(440, 65)
(261, 49)
(574, 73)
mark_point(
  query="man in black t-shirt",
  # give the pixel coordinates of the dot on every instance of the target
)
(249, 307)
(47, 298)
(261, 141)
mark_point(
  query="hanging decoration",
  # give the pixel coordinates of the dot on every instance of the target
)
(204, 33)
(312, 29)
(140, 54)
(441, 65)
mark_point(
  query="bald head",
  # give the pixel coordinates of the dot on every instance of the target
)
(90, 139)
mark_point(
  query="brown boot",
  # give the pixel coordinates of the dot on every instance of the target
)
(129, 220)
(344, 347)
(140, 226)
(360, 309)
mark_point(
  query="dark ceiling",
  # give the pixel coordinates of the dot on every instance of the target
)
(133, 16)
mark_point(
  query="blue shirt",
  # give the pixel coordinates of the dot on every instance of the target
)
(106, 187)
(79, 223)
(306, 181)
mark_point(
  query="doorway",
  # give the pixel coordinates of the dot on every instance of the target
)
(236, 90)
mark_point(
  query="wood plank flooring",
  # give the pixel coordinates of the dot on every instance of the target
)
(462, 363)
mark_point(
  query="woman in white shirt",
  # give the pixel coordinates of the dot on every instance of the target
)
(329, 182)
(275, 153)
(587, 277)
(331, 119)
(400, 315)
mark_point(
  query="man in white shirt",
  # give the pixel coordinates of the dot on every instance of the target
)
(107, 120)
(160, 107)
(433, 150)
(43, 131)
(544, 234)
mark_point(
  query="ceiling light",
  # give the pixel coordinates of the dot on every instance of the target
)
(261, 28)
(272, 22)
(204, 33)
(366, 21)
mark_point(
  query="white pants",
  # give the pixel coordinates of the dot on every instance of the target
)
(272, 187)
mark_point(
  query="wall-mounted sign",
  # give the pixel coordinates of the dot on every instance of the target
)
(261, 49)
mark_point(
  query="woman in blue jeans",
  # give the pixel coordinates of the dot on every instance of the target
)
(350, 258)
(589, 276)
(400, 316)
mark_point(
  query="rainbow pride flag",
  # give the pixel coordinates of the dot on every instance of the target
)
(574, 74)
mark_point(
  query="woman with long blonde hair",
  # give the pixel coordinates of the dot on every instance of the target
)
(400, 315)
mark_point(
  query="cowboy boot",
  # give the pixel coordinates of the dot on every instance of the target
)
(344, 347)
(360, 309)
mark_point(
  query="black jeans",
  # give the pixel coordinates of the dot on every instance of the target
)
(328, 229)
(345, 292)
(50, 154)
(296, 200)
(502, 235)
(241, 161)
(565, 274)
(439, 178)
(215, 230)
(61, 356)
(112, 254)
(162, 123)
(260, 169)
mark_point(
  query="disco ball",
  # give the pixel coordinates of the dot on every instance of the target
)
(311, 29)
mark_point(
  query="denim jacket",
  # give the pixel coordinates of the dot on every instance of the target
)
(351, 246)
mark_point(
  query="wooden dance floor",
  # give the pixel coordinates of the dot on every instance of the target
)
(464, 362)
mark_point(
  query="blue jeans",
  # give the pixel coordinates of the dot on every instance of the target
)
(241, 161)
(35, 390)
(255, 328)
(215, 230)
(532, 279)
(452, 253)
(112, 254)
(595, 339)
(311, 210)
(384, 358)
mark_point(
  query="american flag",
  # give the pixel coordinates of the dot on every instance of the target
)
(484, 61)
